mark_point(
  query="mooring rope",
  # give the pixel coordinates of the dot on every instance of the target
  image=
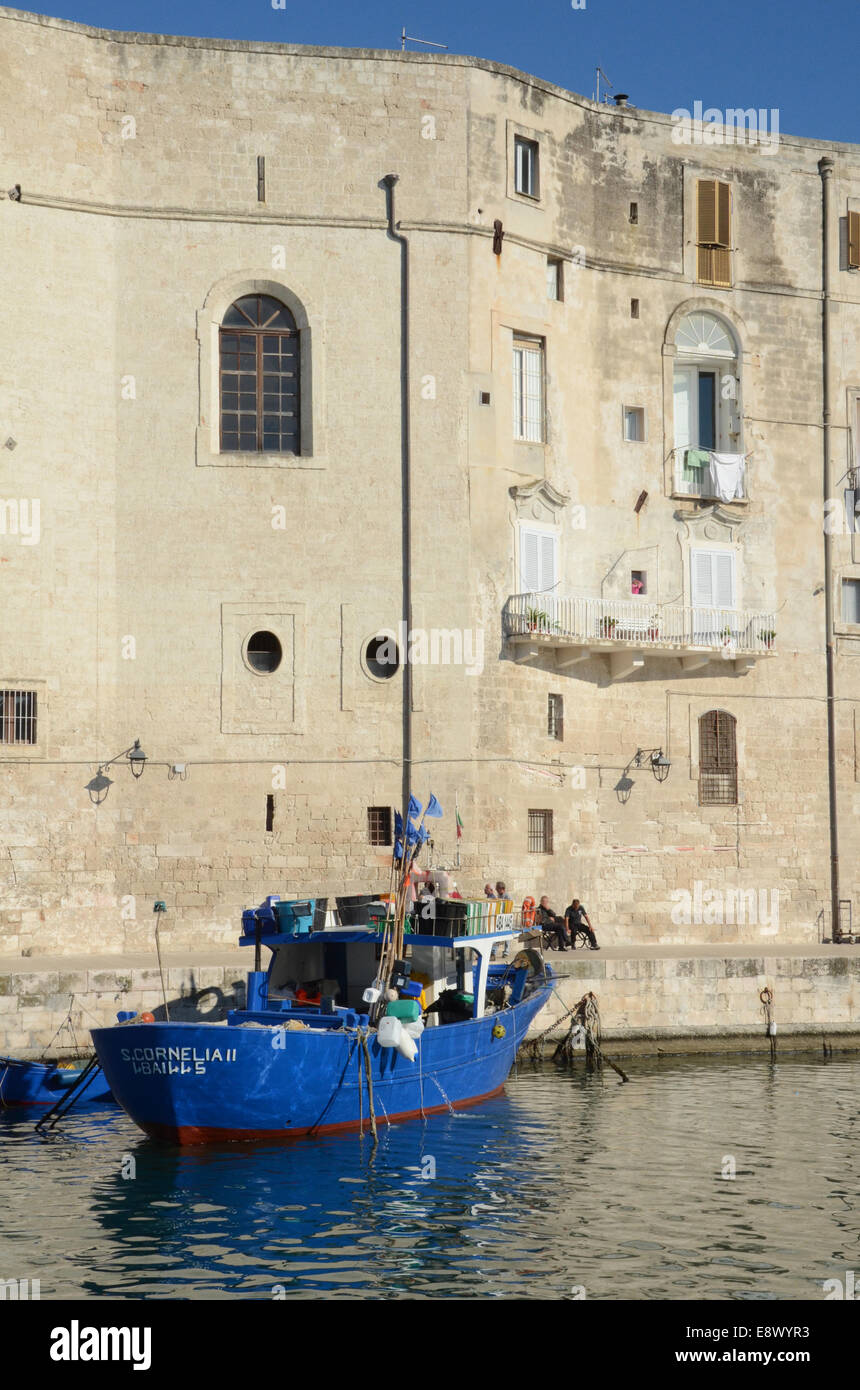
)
(366, 1050)
(766, 997)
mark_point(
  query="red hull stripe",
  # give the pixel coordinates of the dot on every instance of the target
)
(206, 1134)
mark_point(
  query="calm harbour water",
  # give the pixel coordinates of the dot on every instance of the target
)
(567, 1180)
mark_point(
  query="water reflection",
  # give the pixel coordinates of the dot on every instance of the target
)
(568, 1181)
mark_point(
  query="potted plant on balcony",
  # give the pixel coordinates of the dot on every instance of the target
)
(767, 636)
(726, 634)
(607, 626)
(539, 621)
(653, 627)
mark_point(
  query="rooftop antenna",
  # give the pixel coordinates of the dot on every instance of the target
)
(601, 73)
(408, 38)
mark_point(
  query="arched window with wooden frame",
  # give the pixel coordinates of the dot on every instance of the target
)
(259, 377)
(718, 759)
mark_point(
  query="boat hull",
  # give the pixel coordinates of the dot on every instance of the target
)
(44, 1083)
(189, 1083)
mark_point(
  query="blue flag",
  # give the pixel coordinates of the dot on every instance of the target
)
(414, 807)
(412, 833)
(398, 849)
(434, 810)
(398, 824)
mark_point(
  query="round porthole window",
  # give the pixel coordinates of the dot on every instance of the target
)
(264, 652)
(381, 657)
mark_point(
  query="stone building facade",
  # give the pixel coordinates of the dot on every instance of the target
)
(589, 298)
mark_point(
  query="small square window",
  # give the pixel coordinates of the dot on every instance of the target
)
(634, 423)
(851, 600)
(634, 308)
(634, 213)
(526, 167)
(484, 397)
(540, 832)
(638, 582)
(554, 283)
(555, 717)
(379, 825)
(18, 716)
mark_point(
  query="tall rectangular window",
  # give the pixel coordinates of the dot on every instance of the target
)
(379, 825)
(540, 832)
(526, 166)
(707, 410)
(713, 232)
(851, 600)
(528, 371)
(555, 717)
(634, 423)
(554, 284)
(538, 561)
(718, 759)
(18, 716)
(712, 578)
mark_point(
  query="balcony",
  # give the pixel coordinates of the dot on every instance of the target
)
(706, 482)
(627, 632)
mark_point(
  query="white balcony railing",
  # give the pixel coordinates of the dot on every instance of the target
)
(605, 623)
(691, 481)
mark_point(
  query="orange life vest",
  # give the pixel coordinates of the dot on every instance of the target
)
(528, 912)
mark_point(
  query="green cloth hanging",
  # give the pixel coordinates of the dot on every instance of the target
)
(695, 461)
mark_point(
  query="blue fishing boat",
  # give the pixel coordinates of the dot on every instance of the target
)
(392, 1015)
(46, 1083)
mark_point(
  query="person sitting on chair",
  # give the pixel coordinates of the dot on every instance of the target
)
(550, 921)
(577, 921)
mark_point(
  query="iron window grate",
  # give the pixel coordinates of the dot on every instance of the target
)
(379, 825)
(17, 716)
(540, 832)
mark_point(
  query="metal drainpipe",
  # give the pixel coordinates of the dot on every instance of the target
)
(825, 168)
(405, 484)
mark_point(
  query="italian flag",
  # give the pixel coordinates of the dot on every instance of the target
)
(459, 826)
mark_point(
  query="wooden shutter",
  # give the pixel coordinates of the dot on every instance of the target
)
(713, 232)
(724, 206)
(854, 241)
(706, 212)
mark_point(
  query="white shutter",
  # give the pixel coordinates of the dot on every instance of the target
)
(724, 578)
(683, 400)
(538, 561)
(712, 578)
(529, 561)
(701, 585)
(548, 567)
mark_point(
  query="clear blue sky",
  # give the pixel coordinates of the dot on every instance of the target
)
(800, 56)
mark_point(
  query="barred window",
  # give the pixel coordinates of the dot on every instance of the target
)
(555, 716)
(379, 825)
(17, 716)
(259, 351)
(540, 832)
(718, 759)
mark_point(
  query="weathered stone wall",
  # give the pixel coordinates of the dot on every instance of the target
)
(157, 556)
(710, 999)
